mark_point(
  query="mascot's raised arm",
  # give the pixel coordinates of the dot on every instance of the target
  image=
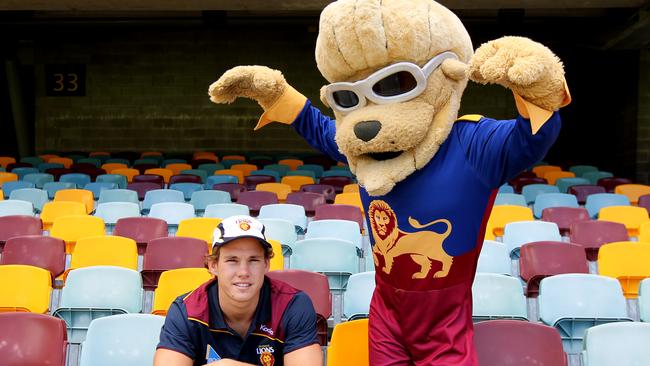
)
(397, 70)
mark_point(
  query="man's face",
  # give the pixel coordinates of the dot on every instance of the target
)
(240, 270)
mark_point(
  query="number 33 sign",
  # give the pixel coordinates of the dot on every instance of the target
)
(65, 80)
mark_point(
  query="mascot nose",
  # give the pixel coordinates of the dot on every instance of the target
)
(367, 130)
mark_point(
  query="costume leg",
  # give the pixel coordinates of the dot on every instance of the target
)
(384, 333)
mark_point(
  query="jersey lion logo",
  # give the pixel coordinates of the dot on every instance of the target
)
(267, 359)
(423, 246)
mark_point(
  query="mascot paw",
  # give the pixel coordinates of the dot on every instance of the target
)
(259, 83)
(526, 67)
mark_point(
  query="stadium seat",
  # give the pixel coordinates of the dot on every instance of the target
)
(496, 296)
(24, 288)
(236, 173)
(280, 168)
(71, 228)
(200, 228)
(296, 181)
(252, 181)
(564, 217)
(541, 170)
(172, 212)
(308, 200)
(34, 339)
(76, 195)
(512, 199)
(187, 189)
(583, 191)
(141, 229)
(315, 168)
(580, 170)
(351, 188)
(644, 300)
(340, 212)
(35, 250)
(563, 184)
(234, 189)
(574, 302)
(518, 184)
(118, 179)
(79, 179)
(224, 210)
(6, 160)
(293, 164)
(256, 199)
(336, 258)
(548, 258)
(158, 180)
(349, 344)
(357, 295)
(96, 162)
(353, 199)
(164, 254)
(266, 172)
(517, 234)
(220, 179)
(281, 190)
(160, 196)
(141, 188)
(18, 225)
(591, 235)
(176, 168)
(346, 173)
(97, 187)
(324, 189)
(125, 340)
(165, 173)
(185, 178)
(16, 207)
(104, 251)
(502, 215)
(9, 187)
(118, 195)
(54, 210)
(627, 262)
(599, 200)
(594, 177)
(109, 167)
(246, 169)
(174, 283)
(339, 229)
(202, 174)
(23, 171)
(531, 191)
(229, 160)
(632, 191)
(38, 179)
(506, 188)
(111, 212)
(53, 187)
(337, 182)
(285, 211)
(37, 197)
(494, 258)
(621, 344)
(546, 200)
(610, 183)
(43, 167)
(201, 199)
(631, 217)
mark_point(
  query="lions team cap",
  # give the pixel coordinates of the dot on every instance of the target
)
(236, 227)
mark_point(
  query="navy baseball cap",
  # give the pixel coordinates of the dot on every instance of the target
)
(237, 227)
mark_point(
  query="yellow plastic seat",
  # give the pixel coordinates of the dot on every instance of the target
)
(292, 163)
(234, 157)
(24, 288)
(104, 251)
(150, 153)
(630, 216)
(349, 344)
(174, 283)
(165, 173)
(297, 181)
(632, 191)
(644, 232)
(629, 262)
(282, 190)
(110, 167)
(237, 173)
(2, 195)
(178, 167)
(74, 227)
(245, 168)
(540, 170)
(76, 195)
(352, 198)
(6, 160)
(199, 228)
(552, 176)
(129, 173)
(351, 188)
(505, 214)
(205, 155)
(7, 177)
(67, 162)
(54, 210)
(277, 262)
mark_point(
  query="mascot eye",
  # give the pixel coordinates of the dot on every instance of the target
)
(395, 84)
(345, 98)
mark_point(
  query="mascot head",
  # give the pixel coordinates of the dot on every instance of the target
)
(397, 70)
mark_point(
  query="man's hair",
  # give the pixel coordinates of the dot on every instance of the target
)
(268, 254)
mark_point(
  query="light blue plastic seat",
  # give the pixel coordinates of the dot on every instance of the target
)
(644, 300)
(335, 258)
(198, 172)
(317, 169)
(302, 173)
(580, 170)
(593, 177)
(574, 302)
(118, 195)
(187, 189)
(563, 184)
(531, 191)
(339, 167)
(282, 231)
(79, 179)
(110, 212)
(506, 188)
(357, 295)
(339, 229)
(173, 161)
(173, 213)
(34, 160)
(280, 168)
(271, 173)
(16, 207)
(8, 187)
(201, 199)
(599, 200)
(497, 296)
(494, 258)
(22, 172)
(95, 292)
(338, 173)
(125, 340)
(210, 168)
(118, 179)
(510, 199)
(618, 344)
(218, 179)
(519, 233)
(118, 161)
(53, 187)
(39, 179)
(96, 161)
(37, 197)
(546, 200)
(224, 210)
(161, 195)
(45, 166)
(98, 187)
(286, 211)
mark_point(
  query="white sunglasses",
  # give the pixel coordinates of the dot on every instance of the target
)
(394, 83)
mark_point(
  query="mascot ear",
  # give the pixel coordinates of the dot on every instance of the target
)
(454, 69)
(322, 96)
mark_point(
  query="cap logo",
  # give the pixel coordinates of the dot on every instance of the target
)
(244, 226)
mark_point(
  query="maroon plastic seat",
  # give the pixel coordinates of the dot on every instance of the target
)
(565, 216)
(256, 199)
(260, 162)
(76, 167)
(30, 339)
(581, 191)
(610, 183)
(93, 173)
(144, 167)
(142, 188)
(18, 225)
(322, 160)
(517, 343)
(308, 200)
(149, 178)
(326, 190)
(337, 182)
(141, 229)
(519, 183)
(591, 235)
(36, 250)
(339, 212)
(315, 285)
(644, 201)
(58, 172)
(170, 253)
(195, 163)
(15, 165)
(547, 258)
(253, 180)
(185, 178)
(235, 189)
(524, 174)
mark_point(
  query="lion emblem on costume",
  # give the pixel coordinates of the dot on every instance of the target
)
(423, 246)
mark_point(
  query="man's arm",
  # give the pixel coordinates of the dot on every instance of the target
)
(310, 355)
(301, 343)
(167, 357)
(175, 347)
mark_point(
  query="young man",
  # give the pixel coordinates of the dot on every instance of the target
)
(243, 318)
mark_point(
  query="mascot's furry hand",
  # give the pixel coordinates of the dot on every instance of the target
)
(526, 67)
(260, 83)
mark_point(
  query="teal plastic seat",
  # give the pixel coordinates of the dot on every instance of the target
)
(286, 211)
(79, 179)
(497, 296)
(37, 197)
(510, 199)
(22, 172)
(95, 292)
(619, 344)
(146, 161)
(317, 169)
(223, 210)
(161, 195)
(15, 207)
(110, 212)
(173, 161)
(531, 191)
(218, 179)
(593, 177)
(494, 258)
(8, 187)
(357, 295)
(546, 200)
(339, 229)
(201, 199)
(173, 213)
(580, 170)
(210, 168)
(280, 168)
(596, 201)
(516, 234)
(302, 173)
(34, 160)
(125, 340)
(198, 172)
(230, 162)
(270, 173)
(563, 184)
(118, 179)
(574, 302)
(45, 166)
(187, 189)
(96, 161)
(39, 179)
(118, 161)
(118, 195)
(644, 300)
(282, 231)
(335, 258)
(53, 187)
(506, 188)
(98, 187)
(338, 173)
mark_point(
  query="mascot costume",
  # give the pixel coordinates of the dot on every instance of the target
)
(397, 70)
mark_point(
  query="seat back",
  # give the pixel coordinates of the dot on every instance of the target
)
(119, 179)
(546, 200)
(166, 174)
(519, 233)
(172, 212)
(563, 184)
(34, 339)
(339, 229)
(622, 344)
(174, 283)
(79, 179)
(582, 191)
(564, 217)
(224, 210)
(73, 227)
(580, 170)
(357, 295)
(630, 216)
(349, 345)
(548, 258)
(502, 215)
(119, 195)
(512, 199)
(281, 190)
(497, 296)
(281, 230)
(531, 191)
(35, 250)
(324, 189)
(632, 191)
(627, 262)
(141, 230)
(540, 170)
(105, 251)
(19, 225)
(37, 197)
(161, 195)
(201, 228)
(201, 199)
(552, 177)
(593, 234)
(494, 258)
(150, 178)
(256, 199)
(336, 258)
(39, 179)
(76, 195)
(54, 210)
(599, 200)
(353, 199)
(25, 288)
(246, 169)
(308, 200)
(594, 177)
(187, 189)
(340, 212)
(176, 168)
(252, 181)
(285, 211)
(112, 211)
(236, 173)
(293, 164)
(297, 181)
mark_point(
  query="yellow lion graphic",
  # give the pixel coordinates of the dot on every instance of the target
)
(423, 246)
